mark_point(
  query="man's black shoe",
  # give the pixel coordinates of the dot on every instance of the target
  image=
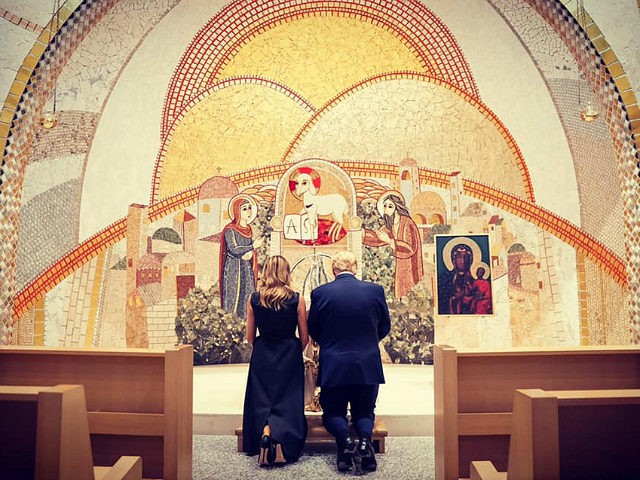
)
(366, 453)
(346, 450)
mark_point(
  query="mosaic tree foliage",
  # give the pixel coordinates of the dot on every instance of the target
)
(262, 224)
(216, 336)
(412, 326)
(430, 234)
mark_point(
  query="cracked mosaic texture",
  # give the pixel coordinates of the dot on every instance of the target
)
(390, 120)
(93, 68)
(15, 43)
(230, 130)
(355, 49)
(597, 160)
(551, 55)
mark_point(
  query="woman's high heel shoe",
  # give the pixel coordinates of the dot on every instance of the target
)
(266, 447)
(279, 455)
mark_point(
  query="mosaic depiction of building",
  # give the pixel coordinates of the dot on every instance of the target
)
(370, 100)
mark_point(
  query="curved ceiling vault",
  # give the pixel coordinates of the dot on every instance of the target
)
(316, 50)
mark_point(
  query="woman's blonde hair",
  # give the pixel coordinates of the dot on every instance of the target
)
(275, 283)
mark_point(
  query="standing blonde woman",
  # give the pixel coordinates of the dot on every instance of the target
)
(274, 425)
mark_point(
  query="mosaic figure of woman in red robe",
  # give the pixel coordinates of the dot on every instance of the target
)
(238, 256)
(401, 233)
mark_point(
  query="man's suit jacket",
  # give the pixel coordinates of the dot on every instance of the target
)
(348, 317)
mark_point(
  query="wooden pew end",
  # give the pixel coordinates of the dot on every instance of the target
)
(126, 468)
(484, 470)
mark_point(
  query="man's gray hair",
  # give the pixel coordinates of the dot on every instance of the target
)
(344, 261)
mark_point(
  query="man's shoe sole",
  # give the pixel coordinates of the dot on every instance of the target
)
(346, 464)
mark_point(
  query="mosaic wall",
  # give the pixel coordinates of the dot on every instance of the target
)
(528, 270)
(591, 147)
(394, 106)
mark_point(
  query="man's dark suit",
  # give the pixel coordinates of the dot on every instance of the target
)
(347, 318)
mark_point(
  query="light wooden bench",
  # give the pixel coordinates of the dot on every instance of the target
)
(474, 394)
(45, 435)
(139, 401)
(584, 434)
(318, 434)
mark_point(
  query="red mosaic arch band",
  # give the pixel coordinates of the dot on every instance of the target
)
(221, 38)
(243, 80)
(80, 255)
(610, 102)
(426, 61)
(546, 220)
(173, 203)
(515, 150)
(561, 228)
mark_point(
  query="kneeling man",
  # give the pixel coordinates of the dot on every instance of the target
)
(348, 318)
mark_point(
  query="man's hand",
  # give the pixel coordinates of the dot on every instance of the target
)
(383, 236)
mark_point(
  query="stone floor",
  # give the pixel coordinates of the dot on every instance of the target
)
(215, 457)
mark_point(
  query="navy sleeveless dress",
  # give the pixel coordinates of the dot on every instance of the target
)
(275, 384)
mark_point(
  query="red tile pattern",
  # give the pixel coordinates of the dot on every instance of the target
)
(21, 22)
(429, 39)
(253, 80)
(517, 154)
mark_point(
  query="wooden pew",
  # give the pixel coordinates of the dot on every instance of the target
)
(571, 435)
(318, 434)
(139, 401)
(474, 394)
(45, 435)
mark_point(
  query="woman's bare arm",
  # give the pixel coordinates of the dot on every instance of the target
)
(303, 329)
(250, 332)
